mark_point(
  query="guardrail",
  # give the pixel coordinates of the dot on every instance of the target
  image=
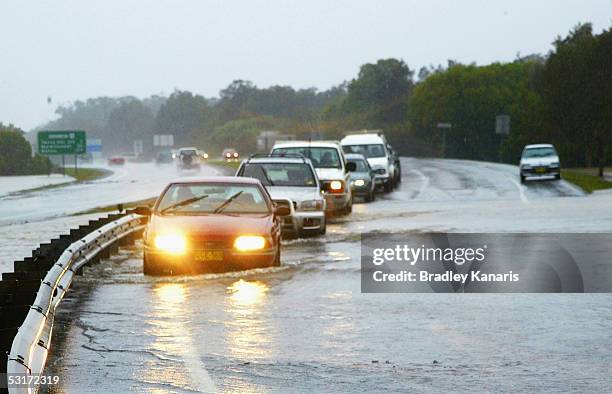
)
(27, 304)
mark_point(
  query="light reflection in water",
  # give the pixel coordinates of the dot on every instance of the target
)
(174, 342)
(248, 332)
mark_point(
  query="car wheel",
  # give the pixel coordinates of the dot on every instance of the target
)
(323, 228)
(522, 179)
(388, 187)
(277, 258)
(557, 177)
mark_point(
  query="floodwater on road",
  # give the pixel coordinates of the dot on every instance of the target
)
(132, 182)
(306, 327)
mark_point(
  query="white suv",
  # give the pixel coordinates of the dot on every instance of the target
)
(332, 169)
(539, 160)
(291, 181)
(375, 148)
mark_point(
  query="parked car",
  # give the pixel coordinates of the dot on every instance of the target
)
(375, 148)
(116, 161)
(331, 167)
(539, 161)
(363, 178)
(213, 224)
(188, 159)
(230, 154)
(292, 182)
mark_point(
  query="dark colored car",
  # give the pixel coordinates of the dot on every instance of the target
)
(363, 178)
(163, 157)
(188, 159)
(214, 224)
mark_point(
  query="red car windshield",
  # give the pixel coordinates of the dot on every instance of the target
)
(212, 198)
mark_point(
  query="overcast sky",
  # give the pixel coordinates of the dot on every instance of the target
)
(78, 49)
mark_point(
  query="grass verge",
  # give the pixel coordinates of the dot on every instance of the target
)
(588, 183)
(87, 174)
(114, 207)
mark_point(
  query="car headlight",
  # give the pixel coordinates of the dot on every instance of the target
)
(311, 205)
(554, 165)
(249, 242)
(525, 166)
(359, 182)
(205, 155)
(235, 154)
(171, 243)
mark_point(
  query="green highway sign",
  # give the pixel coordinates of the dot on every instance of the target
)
(68, 142)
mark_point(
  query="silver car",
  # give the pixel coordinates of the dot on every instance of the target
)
(291, 181)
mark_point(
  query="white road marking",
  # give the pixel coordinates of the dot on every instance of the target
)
(424, 179)
(521, 190)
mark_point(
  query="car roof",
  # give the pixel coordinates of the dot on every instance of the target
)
(217, 179)
(278, 159)
(362, 139)
(188, 148)
(539, 146)
(354, 156)
(314, 144)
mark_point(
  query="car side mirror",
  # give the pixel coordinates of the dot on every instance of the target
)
(379, 171)
(144, 211)
(282, 211)
(351, 166)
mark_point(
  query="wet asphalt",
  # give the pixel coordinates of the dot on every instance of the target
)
(306, 327)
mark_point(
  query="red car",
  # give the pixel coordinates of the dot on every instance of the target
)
(213, 224)
(116, 161)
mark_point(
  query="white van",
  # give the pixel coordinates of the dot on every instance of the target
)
(375, 148)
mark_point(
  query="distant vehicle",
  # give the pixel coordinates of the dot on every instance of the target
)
(292, 182)
(332, 170)
(363, 178)
(188, 159)
(230, 154)
(375, 148)
(164, 157)
(214, 224)
(539, 161)
(116, 161)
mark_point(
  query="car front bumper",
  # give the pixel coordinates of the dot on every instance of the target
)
(192, 262)
(540, 172)
(336, 201)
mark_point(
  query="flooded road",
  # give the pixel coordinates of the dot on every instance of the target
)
(132, 182)
(306, 326)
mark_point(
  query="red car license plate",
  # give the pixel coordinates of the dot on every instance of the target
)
(208, 255)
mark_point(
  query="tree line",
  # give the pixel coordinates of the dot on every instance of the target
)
(562, 97)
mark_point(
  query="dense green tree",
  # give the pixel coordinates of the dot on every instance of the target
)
(184, 115)
(470, 97)
(131, 121)
(576, 86)
(16, 154)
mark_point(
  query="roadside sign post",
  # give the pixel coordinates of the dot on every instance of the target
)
(502, 128)
(66, 142)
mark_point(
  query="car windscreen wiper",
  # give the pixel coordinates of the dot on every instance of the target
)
(183, 203)
(227, 202)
